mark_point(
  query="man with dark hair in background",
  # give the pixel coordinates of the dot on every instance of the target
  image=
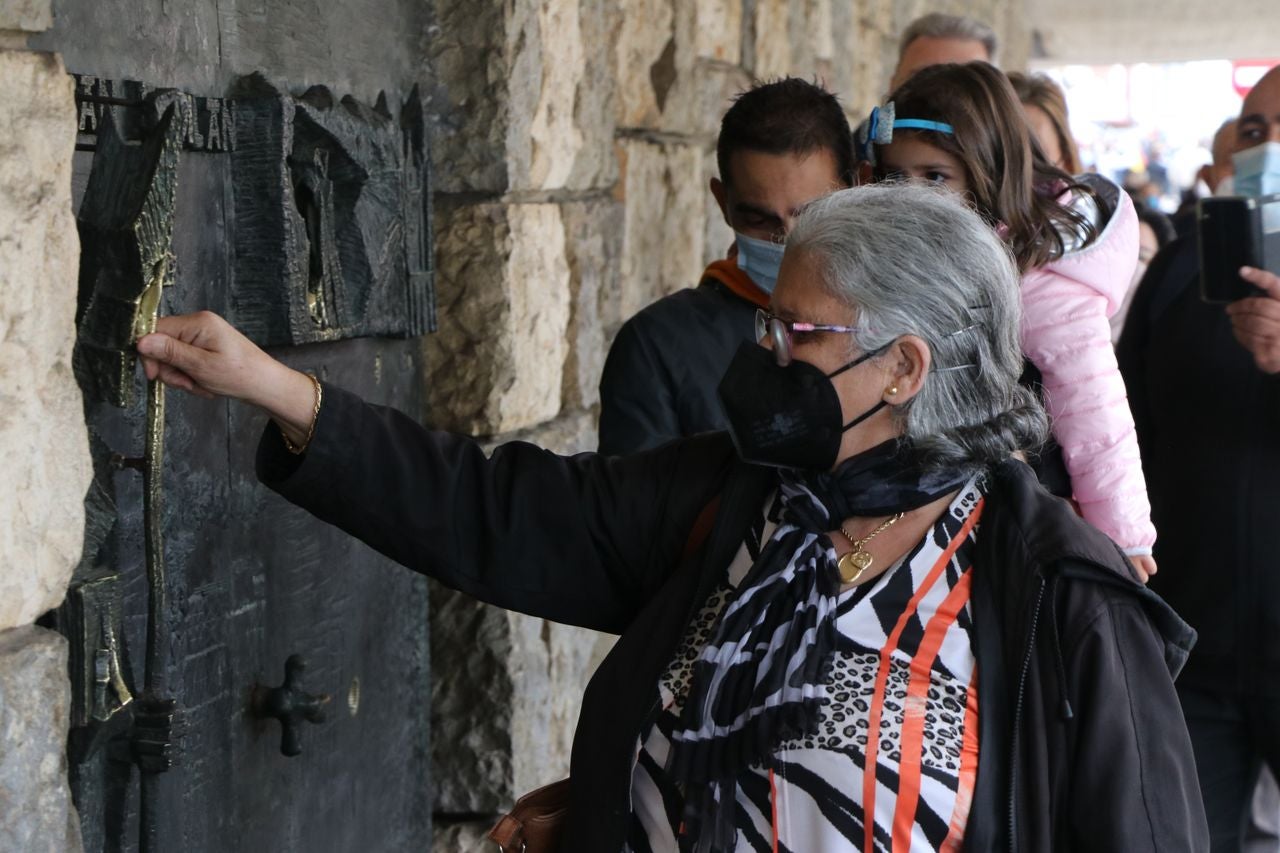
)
(937, 38)
(781, 145)
(1204, 384)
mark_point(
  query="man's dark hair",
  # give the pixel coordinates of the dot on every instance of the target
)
(787, 116)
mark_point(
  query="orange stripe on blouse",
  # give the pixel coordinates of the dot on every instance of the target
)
(914, 711)
(773, 809)
(968, 771)
(882, 675)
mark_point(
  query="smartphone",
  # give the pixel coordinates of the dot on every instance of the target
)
(1236, 231)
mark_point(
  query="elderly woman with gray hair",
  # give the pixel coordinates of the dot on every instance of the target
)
(854, 622)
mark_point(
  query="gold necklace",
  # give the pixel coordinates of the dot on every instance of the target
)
(857, 561)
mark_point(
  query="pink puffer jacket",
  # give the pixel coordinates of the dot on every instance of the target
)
(1066, 334)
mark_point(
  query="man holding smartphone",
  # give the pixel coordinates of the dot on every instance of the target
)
(1204, 384)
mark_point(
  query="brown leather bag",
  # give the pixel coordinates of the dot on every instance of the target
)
(534, 824)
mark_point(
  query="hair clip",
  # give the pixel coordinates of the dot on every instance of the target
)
(878, 128)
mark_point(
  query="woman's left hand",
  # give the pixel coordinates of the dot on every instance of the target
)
(1146, 566)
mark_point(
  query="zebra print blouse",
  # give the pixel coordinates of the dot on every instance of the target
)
(901, 696)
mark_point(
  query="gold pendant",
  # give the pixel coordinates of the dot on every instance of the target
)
(853, 564)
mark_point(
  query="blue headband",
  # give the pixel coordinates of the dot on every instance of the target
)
(923, 124)
(878, 129)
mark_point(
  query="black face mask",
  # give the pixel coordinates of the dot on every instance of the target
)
(786, 417)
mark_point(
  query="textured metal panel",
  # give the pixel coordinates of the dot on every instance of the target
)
(330, 229)
(252, 580)
(330, 222)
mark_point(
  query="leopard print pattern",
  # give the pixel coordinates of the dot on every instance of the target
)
(845, 716)
(674, 686)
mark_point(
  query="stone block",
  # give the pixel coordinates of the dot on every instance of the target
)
(771, 36)
(569, 137)
(666, 82)
(574, 432)
(41, 420)
(646, 60)
(505, 697)
(1013, 26)
(468, 53)
(27, 16)
(593, 242)
(718, 31)
(699, 99)
(465, 837)
(523, 95)
(664, 188)
(818, 29)
(36, 813)
(502, 281)
(866, 52)
(813, 45)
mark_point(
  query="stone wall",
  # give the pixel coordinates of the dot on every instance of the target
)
(42, 432)
(576, 141)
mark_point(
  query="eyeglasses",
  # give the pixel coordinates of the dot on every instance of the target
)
(779, 331)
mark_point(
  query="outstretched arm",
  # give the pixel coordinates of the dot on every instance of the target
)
(585, 540)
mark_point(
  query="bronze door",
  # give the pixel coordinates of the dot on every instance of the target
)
(304, 220)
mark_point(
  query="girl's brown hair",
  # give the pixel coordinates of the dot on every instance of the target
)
(1038, 90)
(1011, 184)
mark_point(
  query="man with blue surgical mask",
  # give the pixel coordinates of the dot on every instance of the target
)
(1204, 385)
(781, 145)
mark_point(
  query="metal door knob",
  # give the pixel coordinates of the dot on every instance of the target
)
(289, 704)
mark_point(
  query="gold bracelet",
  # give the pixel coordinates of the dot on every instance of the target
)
(298, 449)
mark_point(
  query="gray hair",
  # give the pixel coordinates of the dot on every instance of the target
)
(942, 26)
(915, 260)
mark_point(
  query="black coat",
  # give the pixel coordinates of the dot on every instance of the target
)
(597, 541)
(660, 378)
(1208, 424)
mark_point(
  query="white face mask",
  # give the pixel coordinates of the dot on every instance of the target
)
(1257, 170)
(760, 260)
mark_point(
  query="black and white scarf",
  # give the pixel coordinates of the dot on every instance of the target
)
(759, 681)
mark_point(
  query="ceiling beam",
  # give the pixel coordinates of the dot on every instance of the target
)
(1097, 32)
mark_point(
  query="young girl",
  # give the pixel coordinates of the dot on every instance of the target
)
(1075, 241)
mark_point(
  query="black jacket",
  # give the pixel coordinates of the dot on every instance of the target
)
(597, 541)
(1208, 423)
(660, 378)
